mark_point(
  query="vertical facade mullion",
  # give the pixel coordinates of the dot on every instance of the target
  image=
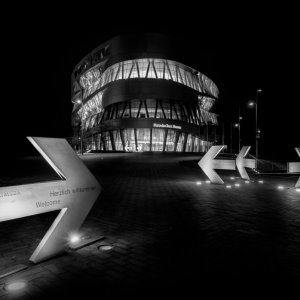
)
(154, 69)
(117, 73)
(184, 141)
(150, 139)
(175, 110)
(168, 67)
(132, 65)
(148, 67)
(147, 113)
(176, 140)
(135, 138)
(138, 70)
(124, 108)
(156, 106)
(162, 109)
(122, 138)
(129, 105)
(112, 140)
(138, 113)
(165, 140)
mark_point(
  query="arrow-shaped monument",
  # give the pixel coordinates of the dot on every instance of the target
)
(242, 162)
(208, 164)
(294, 167)
(74, 195)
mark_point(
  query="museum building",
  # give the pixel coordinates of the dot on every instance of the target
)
(133, 94)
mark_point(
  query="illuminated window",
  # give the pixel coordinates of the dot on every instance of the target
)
(94, 79)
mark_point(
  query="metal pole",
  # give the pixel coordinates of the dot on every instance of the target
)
(239, 128)
(256, 139)
(81, 131)
(231, 137)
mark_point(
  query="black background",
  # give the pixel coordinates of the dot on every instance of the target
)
(247, 48)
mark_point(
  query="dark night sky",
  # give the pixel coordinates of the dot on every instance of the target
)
(245, 51)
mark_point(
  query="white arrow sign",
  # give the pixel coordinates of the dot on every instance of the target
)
(243, 163)
(208, 164)
(74, 196)
(294, 167)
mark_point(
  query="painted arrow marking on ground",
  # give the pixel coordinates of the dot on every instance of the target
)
(242, 162)
(208, 164)
(74, 196)
(294, 167)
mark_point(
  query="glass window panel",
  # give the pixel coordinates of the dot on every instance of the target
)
(135, 104)
(166, 107)
(127, 68)
(134, 72)
(158, 139)
(129, 139)
(159, 114)
(118, 140)
(106, 141)
(170, 143)
(143, 139)
(143, 113)
(189, 143)
(151, 104)
(159, 67)
(151, 72)
(180, 142)
(143, 65)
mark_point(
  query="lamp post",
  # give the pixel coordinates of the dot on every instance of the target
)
(257, 132)
(81, 125)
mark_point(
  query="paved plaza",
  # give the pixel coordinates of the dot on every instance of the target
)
(170, 235)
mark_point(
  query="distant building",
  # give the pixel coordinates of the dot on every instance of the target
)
(137, 97)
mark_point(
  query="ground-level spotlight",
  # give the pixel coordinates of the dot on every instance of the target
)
(231, 178)
(247, 181)
(237, 184)
(74, 238)
(298, 190)
(105, 248)
(228, 186)
(260, 181)
(15, 286)
(280, 187)
(207, 181)
(198, 182)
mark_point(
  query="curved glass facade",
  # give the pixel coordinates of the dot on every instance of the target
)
(94, 79)
(93, 113)
(146, 139)
(147, 114)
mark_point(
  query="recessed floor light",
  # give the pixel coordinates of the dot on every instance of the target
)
(15, 286)
(105, 248)
(237, 184)
(228, 186)
(280, 187)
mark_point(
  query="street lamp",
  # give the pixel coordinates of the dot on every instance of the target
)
(257, 132)
(81, 127)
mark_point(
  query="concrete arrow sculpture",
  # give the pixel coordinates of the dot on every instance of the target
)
(74, 195)
(208, 164)
(294, 167)
(242, 162)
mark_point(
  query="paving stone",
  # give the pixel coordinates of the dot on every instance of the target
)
(170, 236)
